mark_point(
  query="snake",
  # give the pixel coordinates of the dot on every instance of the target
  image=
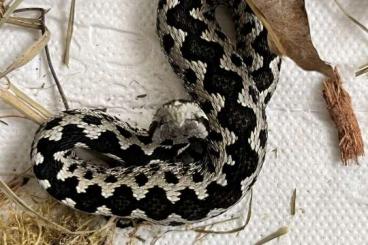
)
(199, 156)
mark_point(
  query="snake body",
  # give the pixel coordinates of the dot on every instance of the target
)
(199, 157)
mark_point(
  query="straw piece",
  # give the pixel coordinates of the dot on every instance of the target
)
(8, 11)
(280, 232)
(69, 33)
(11, 95)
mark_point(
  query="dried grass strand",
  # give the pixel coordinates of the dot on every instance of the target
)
(36, 48)
(69, 33)
(363, 69)
(25, 22)
(22, 227)
(249, 215)
(13, 96)
(280, 232)
(354, 20)
(9, 11)
(12, 196)
(293, 203)
(17, 200)
(2, 8)
(29, 54)
(204, 230)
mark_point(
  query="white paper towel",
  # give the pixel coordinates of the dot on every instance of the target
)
(116, 57)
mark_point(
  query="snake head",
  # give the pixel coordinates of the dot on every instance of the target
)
(180, 120)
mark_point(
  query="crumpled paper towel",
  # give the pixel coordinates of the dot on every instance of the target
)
(117, 63)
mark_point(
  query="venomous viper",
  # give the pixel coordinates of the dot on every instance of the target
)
(198, 158)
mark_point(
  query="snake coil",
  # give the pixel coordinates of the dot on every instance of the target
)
(199, 157)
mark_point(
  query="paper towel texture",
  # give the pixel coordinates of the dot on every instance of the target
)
(117, 63)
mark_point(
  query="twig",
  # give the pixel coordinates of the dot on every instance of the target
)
(47, 51)
(53, 72)
(57, 82)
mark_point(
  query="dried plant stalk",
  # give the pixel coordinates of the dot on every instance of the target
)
(29, 54)
(9, 11)
(293, 203)
(2, 8)
(16, 98)
(69, 33)
(14, 184)
(25, 22)
(11, 195)
(355, 21)
(22, 227)
(280, 232)
(362, 70)
(341, 111)
(238, 229)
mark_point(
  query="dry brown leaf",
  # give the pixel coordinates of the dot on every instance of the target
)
(288, 25)
(289, 35)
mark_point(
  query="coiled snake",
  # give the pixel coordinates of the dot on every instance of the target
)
(199, 157)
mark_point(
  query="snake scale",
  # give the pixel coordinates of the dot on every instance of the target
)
(198, 157)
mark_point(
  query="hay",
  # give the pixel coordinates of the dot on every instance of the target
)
(19, 226)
